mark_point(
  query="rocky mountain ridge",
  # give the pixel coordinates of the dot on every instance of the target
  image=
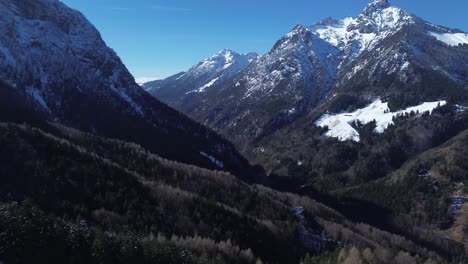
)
(385, 52)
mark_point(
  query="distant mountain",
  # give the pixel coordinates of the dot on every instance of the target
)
(183, 89)
(334, 65)
(54, 62)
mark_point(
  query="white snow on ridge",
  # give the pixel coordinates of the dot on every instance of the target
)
(202, 89)
(340, 127)
(218, 163)
(451, 39)
(129, 100)
(229, 60)
(36, 94)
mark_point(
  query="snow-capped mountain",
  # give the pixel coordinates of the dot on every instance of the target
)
(384, 52)
(183, 87)
(353, 36)
(57, 62)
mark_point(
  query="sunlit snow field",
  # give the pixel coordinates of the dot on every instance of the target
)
(340, 125)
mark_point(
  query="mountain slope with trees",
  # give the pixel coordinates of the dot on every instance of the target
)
(72, 197)
(56, 62)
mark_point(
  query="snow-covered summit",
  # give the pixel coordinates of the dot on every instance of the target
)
(376, 5)
(355, 35)
(380, 16)
(313, 55)
(216, 68)
(223, 60)
(201, 77)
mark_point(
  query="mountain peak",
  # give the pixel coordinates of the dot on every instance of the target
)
(226, 51)
(327, 22)
(380, 3)
(298, 30)
(376, 5)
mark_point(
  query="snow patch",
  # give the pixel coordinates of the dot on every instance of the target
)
(36, 94)
(451, 39)
(180, 76)
(129, 100)
(218, 163)
(340, 127)
(202, 89)
(405, 66)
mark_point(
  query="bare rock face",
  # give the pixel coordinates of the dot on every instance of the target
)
(376, 6)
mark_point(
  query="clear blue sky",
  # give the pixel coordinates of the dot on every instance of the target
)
(158, 38)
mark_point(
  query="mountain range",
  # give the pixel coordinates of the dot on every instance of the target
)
(385, 52)
(341, 109)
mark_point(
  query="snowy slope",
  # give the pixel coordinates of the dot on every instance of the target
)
(223, 60)
(208, 85)
(340, 125)
(220, 66)
(43, 44)
(452, 39)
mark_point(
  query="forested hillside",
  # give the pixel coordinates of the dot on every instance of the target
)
(71, 197)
